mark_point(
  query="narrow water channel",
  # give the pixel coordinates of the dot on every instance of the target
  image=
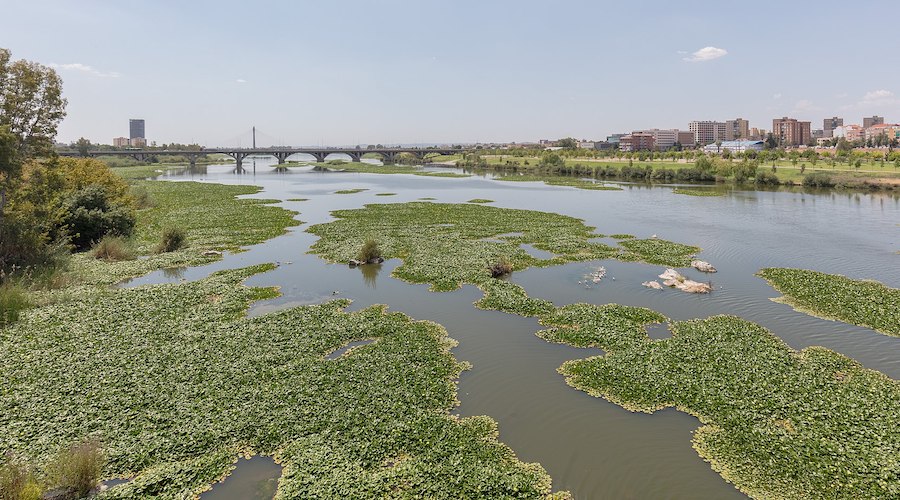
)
(589, 446)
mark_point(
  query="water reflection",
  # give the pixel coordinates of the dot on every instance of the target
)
(370, 273)
(252, 479)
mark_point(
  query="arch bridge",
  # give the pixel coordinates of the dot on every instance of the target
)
(388, 155)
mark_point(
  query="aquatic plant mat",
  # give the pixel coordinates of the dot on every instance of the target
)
(175, 382)
(777, 423)
(863, 303)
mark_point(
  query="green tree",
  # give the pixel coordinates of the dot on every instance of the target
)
(567, 143)
(31, 107)
(83, 145)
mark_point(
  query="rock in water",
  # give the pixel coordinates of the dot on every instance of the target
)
(674, 279)
(702, 266)
(652, 284)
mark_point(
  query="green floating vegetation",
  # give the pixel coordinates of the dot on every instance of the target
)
(351, 191)
(368, 168)
(174, 382)
(210, 215)
(297, 199)
(621, 236)
(448, 245)
(427, 198)
(386, 194)
(860, 302)
(777, 423)
(698, 192)
(140, 172)
(452, 175)
(560, 181)
(480, 200)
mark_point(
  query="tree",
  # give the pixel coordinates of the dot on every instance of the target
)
(83, 145)
(31, 107)
(771, 143)
(567, 143)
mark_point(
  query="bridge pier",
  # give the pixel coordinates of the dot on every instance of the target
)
(357, 157)
(281, 156)
(192, 159)
(238, 158)
(320, 157)
(389, 157)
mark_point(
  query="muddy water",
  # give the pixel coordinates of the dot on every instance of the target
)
(255, 478)
(589, 446)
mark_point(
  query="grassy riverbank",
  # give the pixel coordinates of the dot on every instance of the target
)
(859, 302)
(174, 383)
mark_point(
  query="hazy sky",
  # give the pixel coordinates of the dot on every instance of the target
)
(347, 72)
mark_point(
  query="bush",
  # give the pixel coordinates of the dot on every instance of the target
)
(818, 179)
(13, 300)
(77, 469)
(173, 238)
(112, 248)
(763, 177)
(501, 268)
(369, 251)
(24, 245)
(17, 482)
(551, 160)
(91, 215)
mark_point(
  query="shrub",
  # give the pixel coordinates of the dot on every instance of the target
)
(23, 244)
(763, 177)
(91, 215)
(369, 251)
(13, 300)
(173, 238)
(501, 267)
(112, 248)
(818, 179)
(551, 160)
(17, 482)
(77, 469)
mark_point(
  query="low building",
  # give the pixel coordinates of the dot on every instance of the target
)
(735, 147)
(890, 131)
(120, 142)
(637, 141)
(852, 133)
(587, 145)
(138, 142)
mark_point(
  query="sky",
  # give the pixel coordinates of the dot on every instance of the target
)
(424, 71)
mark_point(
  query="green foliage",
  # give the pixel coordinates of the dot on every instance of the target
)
(91, 215)
(777, 423)
(351, 191)
(620, 236)
(550, 160)
(211, 214)
(567, 143)
(560, 181)
(480, 200)
(112, 248)
(859, 302)
(369, 251)
(659, 251)
(172, 240)
(184, 382)
(385, 194)
(699, 192)
(818, 179)
(142, 198)
(769, 178)
(76, 469)
(17, 482)
(13, 300)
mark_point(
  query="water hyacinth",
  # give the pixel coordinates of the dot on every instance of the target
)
(860, 302)
(175, 383)
(448, 245)
(777, 423)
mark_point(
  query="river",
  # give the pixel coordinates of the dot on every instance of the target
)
(590, 447)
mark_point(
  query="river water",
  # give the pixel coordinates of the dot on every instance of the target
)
(590, 447)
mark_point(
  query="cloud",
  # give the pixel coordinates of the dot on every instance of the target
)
(706, 54)
(241, 80)
(877, 99)
(84, 68)
(878, 95)
(777, 96)
(804, 105)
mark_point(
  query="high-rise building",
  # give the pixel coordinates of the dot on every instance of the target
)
(707, 132)
(136, 129)
(829, 124)
(791, 132)
(873, 120)
(737, 129)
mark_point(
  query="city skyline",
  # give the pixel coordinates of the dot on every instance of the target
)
(450, 74)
